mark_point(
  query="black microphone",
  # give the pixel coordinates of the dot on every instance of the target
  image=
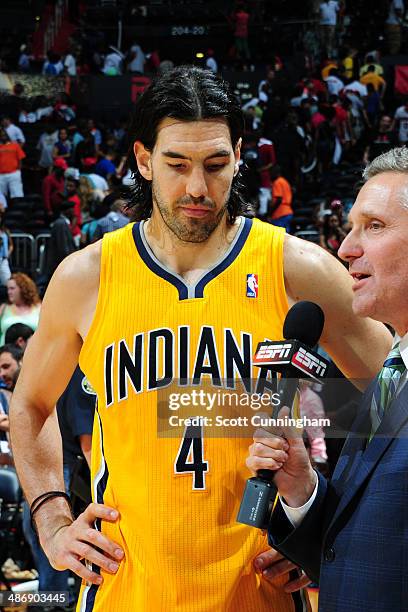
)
(293, 358)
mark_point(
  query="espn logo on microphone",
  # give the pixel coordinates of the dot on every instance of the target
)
(292, 357)
(273, 352)
(308, 363)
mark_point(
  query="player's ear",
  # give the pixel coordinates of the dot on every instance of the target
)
(143, 160)
(237, 155)
(237, 150)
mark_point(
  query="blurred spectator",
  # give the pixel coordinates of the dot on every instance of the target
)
(241, 19)
(328, 19)
(3, 202)
(70, 64)
(332, 234)
(210, 61)
(43, 108)
(97, 211)
(72, 173)
(343, 124)
(357, 111)
(96, 133)
(45, 145)
(357, 88)
(79, 134)
(113, 62)
(136, 59)
(71, 194)
(349, 63)
(105, 166)
(401, 123)
(97, 183)
(19, 335)
(382, 140)
(374, 79)
(253, 112)
(370, 61)
(87, 195)
(266, 160)
(289, 147)
(334, 83)
(311, 45)
(52, 65)
(311, 406)
(11, 359)
(327, 66)
(372, 105)
(85, 151)
(24, 60)
(13, 132)
(115, 219)
(64, 109)
(250, 170)
(6, 248)
(61, 243)
(27, 113)
(152, 61)
(281, 212)
(53, 186)
(393, 26)
(11, 155)
(325, 137)
(265, 87)
(63, 146)
(23, 304)
(10, 365)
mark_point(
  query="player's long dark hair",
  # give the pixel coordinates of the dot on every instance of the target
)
(186, 93)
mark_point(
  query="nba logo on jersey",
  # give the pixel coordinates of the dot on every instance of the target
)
(252, 285)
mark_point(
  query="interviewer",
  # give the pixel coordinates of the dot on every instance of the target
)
(351, 533)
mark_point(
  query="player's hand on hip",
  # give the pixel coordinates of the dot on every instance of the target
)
(284, 452)
(80, 540)
(271, 564)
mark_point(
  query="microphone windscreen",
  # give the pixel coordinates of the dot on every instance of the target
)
(304, 322)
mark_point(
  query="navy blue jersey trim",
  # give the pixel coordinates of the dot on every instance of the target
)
(152, 265)
(182, 288)
(299, 598)
(100, 491)
(199, 290)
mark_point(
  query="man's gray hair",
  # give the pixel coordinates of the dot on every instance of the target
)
(395, 160)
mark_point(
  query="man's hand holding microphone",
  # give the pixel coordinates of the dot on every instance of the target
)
(284, 453)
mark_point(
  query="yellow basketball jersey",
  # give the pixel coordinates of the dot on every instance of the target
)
(178, 500)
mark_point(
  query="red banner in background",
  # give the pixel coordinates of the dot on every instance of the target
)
(401, 80)
(139, 84)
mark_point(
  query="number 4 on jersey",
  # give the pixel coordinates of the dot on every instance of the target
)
(190, 457)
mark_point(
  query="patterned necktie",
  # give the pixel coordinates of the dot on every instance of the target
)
(386, 387)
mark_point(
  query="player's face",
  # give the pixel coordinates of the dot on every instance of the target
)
(192, 167)
(376, 250)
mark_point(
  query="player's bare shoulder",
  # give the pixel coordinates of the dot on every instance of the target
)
(306, 264)
(73, 289)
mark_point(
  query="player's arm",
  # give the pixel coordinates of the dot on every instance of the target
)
(85, 441)
(357, 345)
(49, 361)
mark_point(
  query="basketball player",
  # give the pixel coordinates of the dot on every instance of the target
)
(162, 299)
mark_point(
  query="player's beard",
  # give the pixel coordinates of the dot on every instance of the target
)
(188, 229)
